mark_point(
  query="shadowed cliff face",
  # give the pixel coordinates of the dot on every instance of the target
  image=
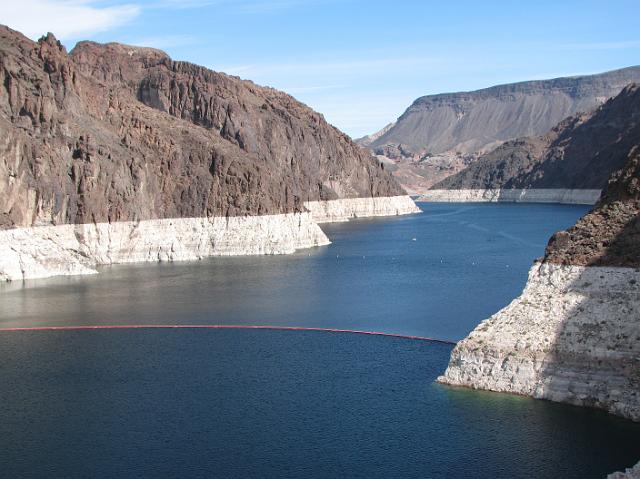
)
(594, 359)
(609, 235)
(112, 133)
(579, 153)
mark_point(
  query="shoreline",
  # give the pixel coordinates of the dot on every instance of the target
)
(539, 195)
(337, 211)
(63, 250)
(569, 337)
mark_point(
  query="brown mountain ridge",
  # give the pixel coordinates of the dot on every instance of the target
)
(114, 132)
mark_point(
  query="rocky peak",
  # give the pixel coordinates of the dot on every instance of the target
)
(578, 153)
(50, 40)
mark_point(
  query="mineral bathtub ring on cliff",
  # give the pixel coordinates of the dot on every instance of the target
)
(44, 251)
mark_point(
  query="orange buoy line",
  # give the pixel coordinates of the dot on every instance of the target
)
(221, 326)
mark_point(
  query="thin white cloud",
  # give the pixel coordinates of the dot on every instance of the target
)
(65, 18)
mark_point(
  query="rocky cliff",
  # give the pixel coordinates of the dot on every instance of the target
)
(573, 335)
(472, 121)
(577, 154)
(115, 133)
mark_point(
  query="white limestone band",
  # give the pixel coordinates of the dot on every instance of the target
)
(349, 208)
(44, 251)
(539, 195)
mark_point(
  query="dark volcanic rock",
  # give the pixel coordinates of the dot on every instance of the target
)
(469, 122)
(113, 132)
(579, 153)
(610, 234)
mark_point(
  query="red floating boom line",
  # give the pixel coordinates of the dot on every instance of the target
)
(222, 326)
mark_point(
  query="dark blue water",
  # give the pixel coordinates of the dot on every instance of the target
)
(276, 404)
(240, 403)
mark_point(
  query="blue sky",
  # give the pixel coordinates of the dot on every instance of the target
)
(359, 62)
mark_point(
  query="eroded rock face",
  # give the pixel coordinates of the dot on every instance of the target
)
(113, 133)
(630, 473)
(578, 153)
(513, 195)
(346, 209)
(610, 234)
(44, 251)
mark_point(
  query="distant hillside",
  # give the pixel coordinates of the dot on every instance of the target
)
(468, 122)
(579, 153)
(367, 140)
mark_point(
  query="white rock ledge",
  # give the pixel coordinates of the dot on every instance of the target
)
(349, 208)
(572, 336)
(550, 195)
(44, 251)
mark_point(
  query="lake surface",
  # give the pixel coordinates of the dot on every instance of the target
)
(437, 274)
(260, 403)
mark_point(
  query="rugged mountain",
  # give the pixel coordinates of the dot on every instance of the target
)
(469, 122)
(573, 335)
(114, 154)
(578, 153)
(113, 132)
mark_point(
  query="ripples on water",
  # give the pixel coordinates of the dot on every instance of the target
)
(242, 403)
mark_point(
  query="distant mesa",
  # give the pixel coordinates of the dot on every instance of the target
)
(440, 135)
(578, 154)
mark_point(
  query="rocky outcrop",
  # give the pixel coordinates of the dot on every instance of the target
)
(609, 235)
(549, 195)
(344, 210)
(573, 335)
(44, 251)
(579, 153)
(474, 121)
